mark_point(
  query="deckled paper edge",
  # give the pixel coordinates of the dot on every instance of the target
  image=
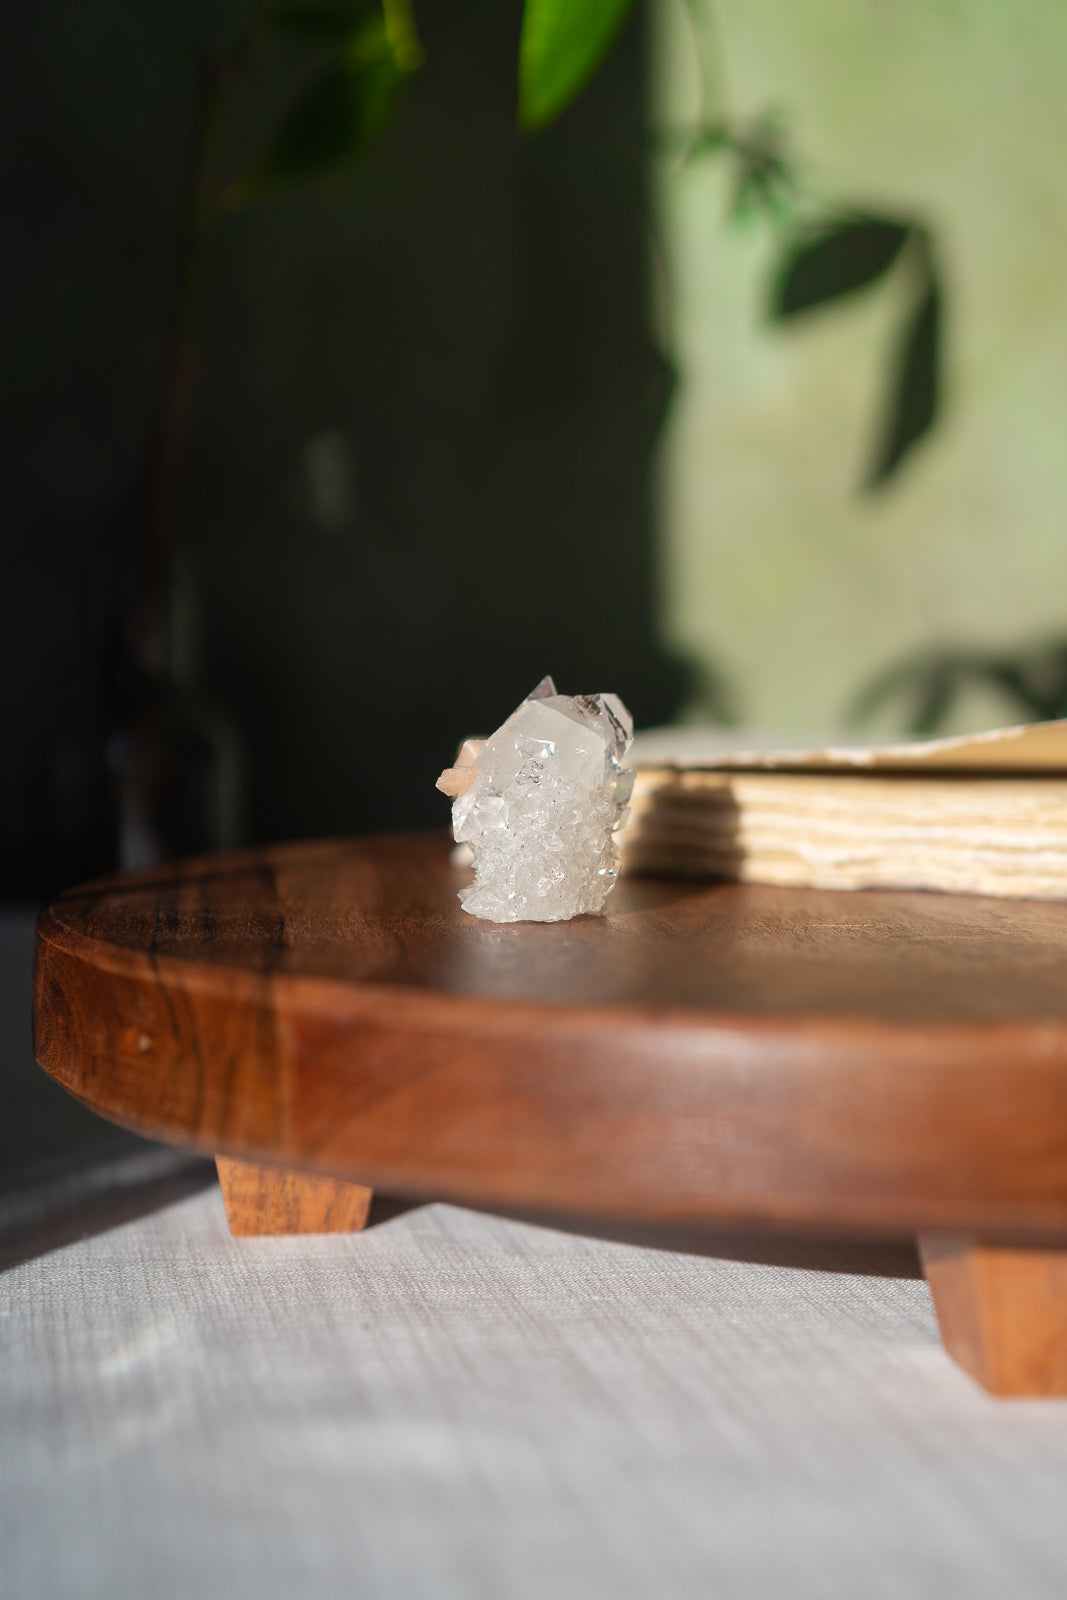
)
(1025, 747)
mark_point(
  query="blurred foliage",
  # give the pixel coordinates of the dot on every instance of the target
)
(361, 53)
(763, 178)
(763, 182)
(928, 686)
(368, 52)
(915, 390)
(357, 56)
(368, 48)
(854, 254)
(830, 260)
(847, 256)
(337, 115)
(825, 254)
(562, 44)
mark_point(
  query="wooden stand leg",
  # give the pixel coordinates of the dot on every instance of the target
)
(272, 1200)
(1002, 1310)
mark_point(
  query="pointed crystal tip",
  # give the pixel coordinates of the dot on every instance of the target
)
(546, 689)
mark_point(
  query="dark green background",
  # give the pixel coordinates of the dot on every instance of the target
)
(465, 322)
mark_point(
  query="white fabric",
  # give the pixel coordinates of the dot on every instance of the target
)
(453, 1405)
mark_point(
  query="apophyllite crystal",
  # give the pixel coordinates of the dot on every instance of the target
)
(538, 804)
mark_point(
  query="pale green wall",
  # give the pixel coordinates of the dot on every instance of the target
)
(774, 568)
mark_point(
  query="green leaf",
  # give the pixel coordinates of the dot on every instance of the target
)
(914, 403)
(330, 125)
(402, 34)
(562, 44)
(850, 256)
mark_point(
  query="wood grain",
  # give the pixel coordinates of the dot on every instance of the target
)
(886, 1062)
(1002, 1311)
(261, 1200)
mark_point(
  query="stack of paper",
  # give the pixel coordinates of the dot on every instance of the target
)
(985, 814)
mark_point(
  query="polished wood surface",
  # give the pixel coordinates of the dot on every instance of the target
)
(261, 1200)
(890, 1062)
(383, 911)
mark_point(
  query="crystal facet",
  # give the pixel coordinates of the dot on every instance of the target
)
(549, 793)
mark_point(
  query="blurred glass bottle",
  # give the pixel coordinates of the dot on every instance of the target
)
(172, 755)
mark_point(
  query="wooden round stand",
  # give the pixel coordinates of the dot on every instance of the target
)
(327, 1020)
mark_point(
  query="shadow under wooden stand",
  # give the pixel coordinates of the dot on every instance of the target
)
(704, 1056)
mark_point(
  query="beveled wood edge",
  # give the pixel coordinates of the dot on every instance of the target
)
(780, 1045)
(998, 1224)
(1014, 1036)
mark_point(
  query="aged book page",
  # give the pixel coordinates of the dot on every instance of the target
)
(985, 814)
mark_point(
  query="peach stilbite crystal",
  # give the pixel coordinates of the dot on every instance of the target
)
(547, 793)
(457, 779)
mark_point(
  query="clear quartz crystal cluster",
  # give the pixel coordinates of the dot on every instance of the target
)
(548, 794)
